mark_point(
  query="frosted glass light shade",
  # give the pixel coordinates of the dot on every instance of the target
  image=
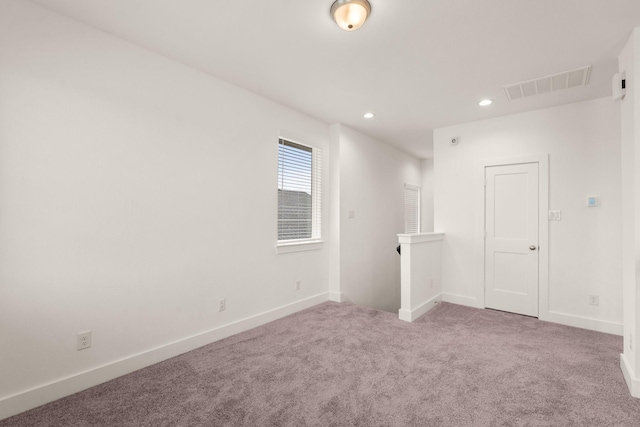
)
(350, 14)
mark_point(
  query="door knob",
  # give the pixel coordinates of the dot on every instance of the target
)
(532, 247)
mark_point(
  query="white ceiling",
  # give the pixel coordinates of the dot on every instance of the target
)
(418, 64)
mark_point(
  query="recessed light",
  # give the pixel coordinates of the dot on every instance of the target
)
(369, 115)
(485, 102)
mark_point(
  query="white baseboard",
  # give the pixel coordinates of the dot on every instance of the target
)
(337, 297)
(550, 316)
(632, 382)
(583, 322)
(461, 300)
(45, 393)
(411, 315)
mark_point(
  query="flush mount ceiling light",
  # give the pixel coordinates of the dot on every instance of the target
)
(485, 102)
(368, 115)
(350, 14)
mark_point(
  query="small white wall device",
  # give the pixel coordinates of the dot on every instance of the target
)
(555, 215)
(618, 89)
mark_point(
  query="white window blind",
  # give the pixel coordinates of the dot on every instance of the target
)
(411, 209)
(299, 197)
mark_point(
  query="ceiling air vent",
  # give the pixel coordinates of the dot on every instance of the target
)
(552, 83)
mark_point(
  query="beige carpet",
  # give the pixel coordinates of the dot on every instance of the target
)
(345, 365)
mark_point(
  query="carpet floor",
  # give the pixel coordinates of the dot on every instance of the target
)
(346, 365)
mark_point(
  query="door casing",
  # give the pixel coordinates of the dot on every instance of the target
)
(511, 266)
(543, 227)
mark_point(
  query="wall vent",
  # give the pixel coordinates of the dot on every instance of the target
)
(551, 83)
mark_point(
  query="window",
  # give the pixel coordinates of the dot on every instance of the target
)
(411, 209)
(299, 176)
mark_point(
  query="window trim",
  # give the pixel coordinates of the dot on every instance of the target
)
(418, 191)
(288, 246)
(315, 242)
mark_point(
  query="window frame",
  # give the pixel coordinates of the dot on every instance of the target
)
(418, 214)
(315, 241)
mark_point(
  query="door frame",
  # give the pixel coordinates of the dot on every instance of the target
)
(543, 226)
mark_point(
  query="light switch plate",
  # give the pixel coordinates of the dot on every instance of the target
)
(555, 215)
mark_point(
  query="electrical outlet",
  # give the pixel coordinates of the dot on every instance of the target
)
(297, 285)
(83, 340)
(594, 300)
(222, 304)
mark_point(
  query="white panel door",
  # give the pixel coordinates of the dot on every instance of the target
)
(511, 242)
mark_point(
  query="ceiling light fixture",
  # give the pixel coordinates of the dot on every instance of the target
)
(350, 14)
(369, 115)
(485, 102)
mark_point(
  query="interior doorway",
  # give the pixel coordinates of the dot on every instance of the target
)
(512, 237)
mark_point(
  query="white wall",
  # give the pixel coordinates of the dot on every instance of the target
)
(629, 63)
(372, 178)
(426, 196)
(583, 143)
(134, 193)
(421, 266)
(335, 291)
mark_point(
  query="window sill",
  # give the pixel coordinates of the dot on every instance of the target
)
(299, 246)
